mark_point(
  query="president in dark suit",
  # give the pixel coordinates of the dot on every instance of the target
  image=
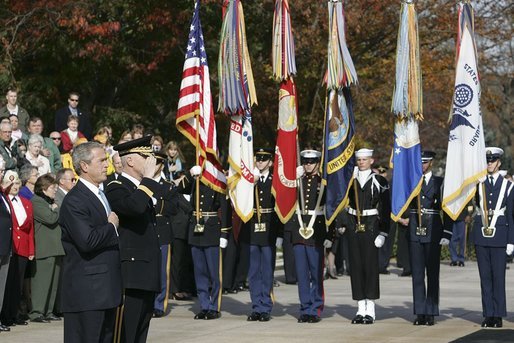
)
(91, 274)
(133, 196)
(61, 116)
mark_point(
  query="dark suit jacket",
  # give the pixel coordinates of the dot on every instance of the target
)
(5, 226)
(61, 121)
(139, 244)
(91, 273)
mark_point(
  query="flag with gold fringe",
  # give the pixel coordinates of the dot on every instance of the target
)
(195, 114)
(407, 107)
(466, 162)
(284, 68)
(338, 159)
(236, 97)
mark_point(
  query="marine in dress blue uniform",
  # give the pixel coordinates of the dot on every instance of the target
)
(207, 235)
(309, 237)
(367, 221)
(493, 237)
(261, 235)
(426, 235)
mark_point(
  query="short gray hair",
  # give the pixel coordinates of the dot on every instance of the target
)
(26, 172)
(84, 153)
(35, 138)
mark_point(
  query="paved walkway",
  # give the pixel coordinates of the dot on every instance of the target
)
(461, 315)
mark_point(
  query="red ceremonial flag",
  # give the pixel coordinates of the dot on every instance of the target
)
(195, 115)
(284, 172)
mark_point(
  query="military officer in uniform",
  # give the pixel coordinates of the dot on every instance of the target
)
(493, 236)
(208, 232)
(132, 196)
(426, 235)
(260, 235)
(309, 237)
(367, 222)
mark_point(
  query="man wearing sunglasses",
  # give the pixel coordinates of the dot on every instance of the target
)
(493, 235)
(61, 116)
(66, 180)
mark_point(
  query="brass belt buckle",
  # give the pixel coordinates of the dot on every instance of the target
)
(306, 232)
(199, 228)
(260, 227)
(421, 231)
(360, 228)
(488, 231)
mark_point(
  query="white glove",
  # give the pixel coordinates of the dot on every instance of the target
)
(195, 170)
(223, 243)
(444, 241)
(256, 174)
(379, 241)
(279, 242)
(327, 243)
(299, 172)
(341, 230)
(510, 249)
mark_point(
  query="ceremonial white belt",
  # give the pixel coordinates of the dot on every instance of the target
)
(313, 213)
(206, 214)
(263, 210)
(500, 212)
(364, 213)
(427, 211)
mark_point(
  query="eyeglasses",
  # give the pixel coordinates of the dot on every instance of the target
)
(56, 138)
(74, 100)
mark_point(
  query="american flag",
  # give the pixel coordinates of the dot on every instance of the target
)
(195, 109)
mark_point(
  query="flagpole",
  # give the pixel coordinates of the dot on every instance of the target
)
(300, 183)
(197, 161)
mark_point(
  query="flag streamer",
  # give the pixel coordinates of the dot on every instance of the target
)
(195, 114)
(236, 97)
(407, 107)
(341, 71)
(283, 56)
(466, 162)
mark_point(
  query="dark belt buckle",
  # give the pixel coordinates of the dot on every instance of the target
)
(360, 228)
(199, 228)
(260, 227)
(488, 231)
(421, 231)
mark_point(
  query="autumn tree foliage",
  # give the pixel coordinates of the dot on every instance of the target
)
(125, 57)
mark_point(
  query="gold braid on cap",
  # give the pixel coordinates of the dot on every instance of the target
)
(145, 150)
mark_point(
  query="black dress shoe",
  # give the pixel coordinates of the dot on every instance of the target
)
(229, 291)
(304, 318)
(40, 319)
(265, 317)
(253, 317)
(276, 283)
(22, 322)
(420, 320)
(200, 315)
(158, 313)
(385, 272)
(405, 273)
(488, 322)
(461, 264)
(314, 319)
(429, 320)
(453, 264)
(358, 319)
(368, 320)
(52, 317)
(181, 297)
(212, 315)
(497, 322)
(4, 328)
(241, 288)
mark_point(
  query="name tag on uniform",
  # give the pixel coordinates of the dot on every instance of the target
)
(488, 231)
(260, 227)
(421, 231)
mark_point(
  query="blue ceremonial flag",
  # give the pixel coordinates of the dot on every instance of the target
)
(338, 160)
(406, 163)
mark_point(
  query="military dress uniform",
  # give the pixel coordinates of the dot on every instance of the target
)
(366, 218)
(259, 235)
(165, 207)
(425, 248)
(493, 231)
(204, 238)
(308, 247)
(140, 252)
